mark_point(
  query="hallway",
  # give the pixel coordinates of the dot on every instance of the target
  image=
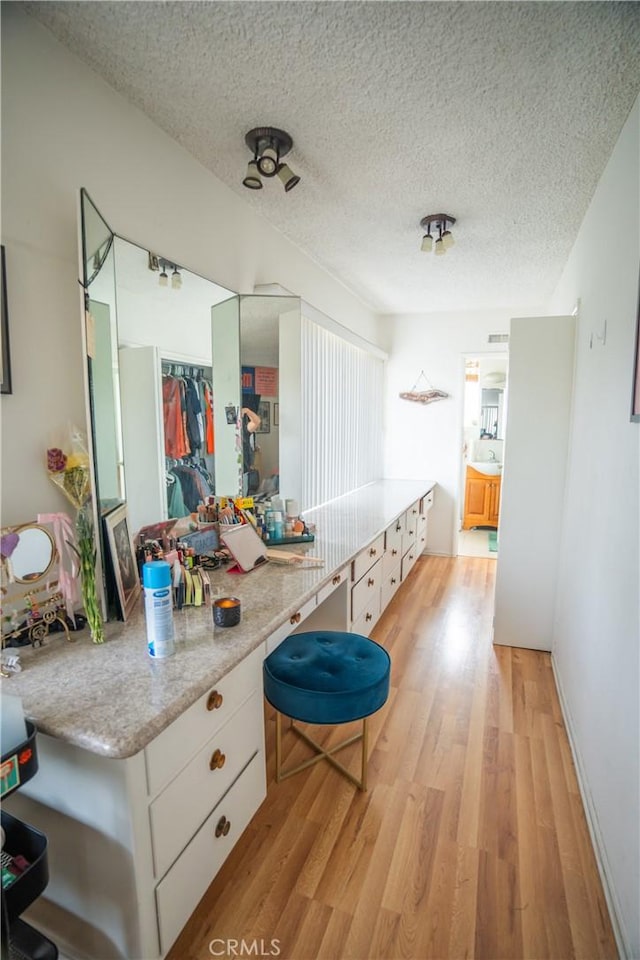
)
(471, 840)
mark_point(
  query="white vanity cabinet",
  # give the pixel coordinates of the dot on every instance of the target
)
(154, 828)
(410, 552)
(366, 582)
(391, 569)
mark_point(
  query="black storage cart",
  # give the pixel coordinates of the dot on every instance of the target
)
(25, 871)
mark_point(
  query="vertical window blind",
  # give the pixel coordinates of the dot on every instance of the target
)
(342, 404)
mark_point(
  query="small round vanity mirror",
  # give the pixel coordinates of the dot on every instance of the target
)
(34, 553)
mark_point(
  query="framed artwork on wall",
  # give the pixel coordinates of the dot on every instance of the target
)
(123, 561)
(5, 386)
(264, 412)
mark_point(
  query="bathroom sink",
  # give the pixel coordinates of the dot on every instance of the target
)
(490, 468)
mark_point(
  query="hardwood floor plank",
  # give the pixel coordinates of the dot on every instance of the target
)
(471, 841)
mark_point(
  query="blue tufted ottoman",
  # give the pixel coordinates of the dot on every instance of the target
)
(326, 677)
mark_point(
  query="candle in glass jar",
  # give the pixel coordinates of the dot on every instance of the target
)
(226, 611)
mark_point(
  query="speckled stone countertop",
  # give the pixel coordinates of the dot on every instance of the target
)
(112, 699)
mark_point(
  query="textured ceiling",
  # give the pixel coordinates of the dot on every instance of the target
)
(502, 114)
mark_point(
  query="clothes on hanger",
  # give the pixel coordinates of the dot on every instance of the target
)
(187, 402)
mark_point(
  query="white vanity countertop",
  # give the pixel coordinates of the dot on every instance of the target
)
(113, 699)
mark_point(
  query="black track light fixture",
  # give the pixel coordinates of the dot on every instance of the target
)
(269, 145)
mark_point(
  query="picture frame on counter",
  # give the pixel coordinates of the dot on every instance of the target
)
(122, 558)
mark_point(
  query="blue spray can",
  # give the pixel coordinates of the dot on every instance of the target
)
(158, 608)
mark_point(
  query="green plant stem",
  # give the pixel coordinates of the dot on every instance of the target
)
(87, 556)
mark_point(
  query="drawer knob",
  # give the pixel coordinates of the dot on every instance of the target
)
(222, 827)
(410, 556)
(295, 618)
(372, 552)
(371, 582)
(393, 579)
(369, 616)
(398, 528)
(393, 553)
(336, 579)
(214, 700)
(414, 511)
(217, 760)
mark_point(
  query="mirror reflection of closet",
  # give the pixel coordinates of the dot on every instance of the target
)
(147, 315)
(166, 363)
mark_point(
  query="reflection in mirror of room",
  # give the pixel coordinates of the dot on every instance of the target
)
(189, 438)
(164, 335)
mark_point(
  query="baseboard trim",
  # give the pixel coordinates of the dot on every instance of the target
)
(591, 817)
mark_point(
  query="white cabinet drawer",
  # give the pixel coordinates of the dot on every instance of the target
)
(292, 625)
(365, 589)
(173, 748)
(189, 877)
(199, 787)
(411, 517)
(410, 527)
(390, 584)
(408, 561)
(367, 557)
(393, 546)
(408, 539)
(368, 618)
(421, 539)
(328, 588)
(427, 502)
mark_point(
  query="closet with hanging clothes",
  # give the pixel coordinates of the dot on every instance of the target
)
(168, 434)
(187, 412)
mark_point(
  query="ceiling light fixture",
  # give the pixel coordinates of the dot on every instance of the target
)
(269, 145)
(440, 222)
(176, 278)
(163, 279)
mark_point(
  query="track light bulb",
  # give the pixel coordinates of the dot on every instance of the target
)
(268, 162)
(447, 239)
(252, 179)
(440, 248)
(163, 279)
(176, 279)
(288, 177)
(427, 243)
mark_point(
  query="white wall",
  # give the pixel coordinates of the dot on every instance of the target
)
(426, 441)
(541, 362)
(63, 128)
(597, 634)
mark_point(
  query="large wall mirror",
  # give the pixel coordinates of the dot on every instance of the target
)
(173, 360)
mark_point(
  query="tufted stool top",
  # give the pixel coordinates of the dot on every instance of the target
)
(327, 677)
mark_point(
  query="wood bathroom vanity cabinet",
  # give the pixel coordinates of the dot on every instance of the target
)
(481, 499)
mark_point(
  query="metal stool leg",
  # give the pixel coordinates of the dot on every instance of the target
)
(322, 754)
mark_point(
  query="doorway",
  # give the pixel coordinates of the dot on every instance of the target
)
(482, 454)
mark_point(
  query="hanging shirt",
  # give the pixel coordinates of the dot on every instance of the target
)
(176, 444)
(195, 431)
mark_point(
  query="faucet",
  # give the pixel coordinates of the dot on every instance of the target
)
(492, 455)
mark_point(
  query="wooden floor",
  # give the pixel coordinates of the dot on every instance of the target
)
(471, 840)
